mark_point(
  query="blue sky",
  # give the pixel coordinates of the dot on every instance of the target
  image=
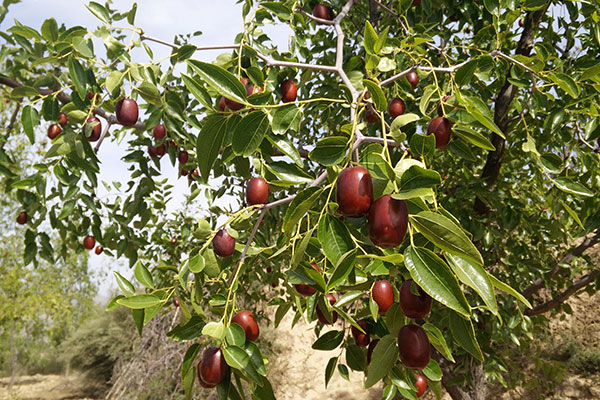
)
(220, 21)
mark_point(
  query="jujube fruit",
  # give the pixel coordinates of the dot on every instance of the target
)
(183, 157)
(54, 130)
(321, 316)
(412, 305)
(322, 11)
(223, 243)
(371, 116)
(175, 302)
(383, 294)
(62, 119)
(159, 131)
(127, 112)
(257, 191)
(440, 110)
(173, 240)
(22, 218)
(440, 127)
(361, 339)
(201, 381)
(222, 104)
(234, 105)
(396, 107)
(246, 320)
(96, 129)
(413, 347)
(213, 366)
(387, 221)
(99, 250)
(161, 149)
(89, 242)
(421, 385)
(289, 91)
(370, 350)
(413, 79)
(354, 191)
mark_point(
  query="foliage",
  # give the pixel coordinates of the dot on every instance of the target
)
(526, 120)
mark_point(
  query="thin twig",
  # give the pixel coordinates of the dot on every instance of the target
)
(104, 133)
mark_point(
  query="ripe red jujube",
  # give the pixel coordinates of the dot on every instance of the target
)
(440, 127)
(159, 131)
(99, 250)
(321, 316)
(89, 242)
(383, 295)
(322, 11)
(246, 320)
(413, 79)
(257, 191)
(22, 218)
(370, 350)
(62, 119)
(412, 305)
(183, 157)
(234, 105)
(354, 191)
(413, 347)
(223, 243)
(361, 339)
(396, 107)
(213, 367)
(127, 112)
(54, 130)
(96, 129)
(289, 91)
(201, 381)
(387, 221)
(371, 115)
(421, 385)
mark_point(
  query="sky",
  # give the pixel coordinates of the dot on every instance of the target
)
(218, 20)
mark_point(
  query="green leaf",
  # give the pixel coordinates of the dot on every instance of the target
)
(80, 44)
(505, 288)
(432, 371)
(288, 174)
(569, 186)
(422, 145)
(355, 358)
(394, 318)
(472, 136)
(591, 72)
(23, 91)
(492, 6)
(465, 73)
(287, 118)
(188, 358)
(197, 90)
(220, 80)
(566, 83)
(480, 111)
(78, 76)
(572, 213)
(140, 301)
(377, 95)
(50, 30)
(330, 150)
(299, 207)
(237, 358)
(342, 269)
(329, 341)
(188, 331)
(331, 364)
(464, 334)
(417, 177)
(131, 14)
(114, 80)
(196, 263)
(445, 234)
(474, 276)
(257, 361)
(249, 133)
(403, 120)
(124, 284)
(279, 9)
(99, 11)
(235, 335)
(30, 119)
(214, 329)
(150, 93)
(370, 38)
(287, 147)
(209, 142)
(385, 354)
(334, 237)
(143, 275)
(437, 340)
(433, 275)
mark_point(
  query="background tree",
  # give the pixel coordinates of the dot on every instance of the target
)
(490, 169)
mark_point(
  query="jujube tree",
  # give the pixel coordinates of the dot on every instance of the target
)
(476, 158)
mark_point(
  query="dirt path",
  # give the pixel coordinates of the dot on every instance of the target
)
(47, 387)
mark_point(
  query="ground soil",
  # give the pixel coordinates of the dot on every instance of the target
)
(49, 387)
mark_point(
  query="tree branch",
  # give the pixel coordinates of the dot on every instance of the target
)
(561, 298)
(575, 252)
(491, 170)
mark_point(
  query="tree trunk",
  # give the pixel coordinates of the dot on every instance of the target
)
(13, 356)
